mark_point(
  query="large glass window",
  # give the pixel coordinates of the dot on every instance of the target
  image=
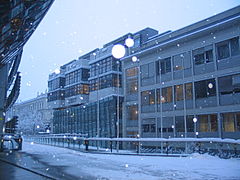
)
(223, 50)
(56, 95)
(178, 90)
(213, 122)
(190, 123)
(110, 80)
(77, 76)
(148, 128)
(166, 95)
(207, 123)
(188, 91)
(132, 112)
(76, 90)
(147, 71)
(178, 62)
(179, 124)
(228, 122)
(105, 65)
(205, 88)
(148, 97)
(132, 86)
(163, 66)
(56, 84)
(229, 84)
(231, 122)
(234, 44)
(131, 80)
(203, 123)
(167, 124)
(228, 48)
(203, 55)
(85, 74)
(132, 72)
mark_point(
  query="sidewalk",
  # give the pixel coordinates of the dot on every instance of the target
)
(11, 172)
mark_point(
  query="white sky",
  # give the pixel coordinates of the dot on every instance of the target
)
(72, 28)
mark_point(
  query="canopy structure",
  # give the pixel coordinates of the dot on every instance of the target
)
(18, 20)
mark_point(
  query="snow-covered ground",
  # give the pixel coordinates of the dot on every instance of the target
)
(102, 166)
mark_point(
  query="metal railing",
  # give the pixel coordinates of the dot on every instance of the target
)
(224, 148)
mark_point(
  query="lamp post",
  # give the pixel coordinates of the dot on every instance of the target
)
(118, 52)
(98, 118)
(118, 86)
(195, 126)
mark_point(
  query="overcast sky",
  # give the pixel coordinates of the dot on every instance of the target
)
(72, 28)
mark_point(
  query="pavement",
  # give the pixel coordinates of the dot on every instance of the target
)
(18, 165)
(11, 172)
(37, 161)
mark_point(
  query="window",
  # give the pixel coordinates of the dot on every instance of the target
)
(167, 124)
(56, 84)
(223, 50)
(179, 124)
(213, 122)
(132, 133)
(188, 91)
(178, 62)
(231, 122)
(190, 123)
(148, 97)
(228, 48)
(228, 122)
(147, 128)
(74, 77)
(131, 86)
(237, 121)
(147, 71)
(178, 90)
(111, 80)
(105, 65)
(205, 88)
(132, 112)
(229, 84)
(203, 55)
(85, 74)
(234, 44)
(56, 95)
(77, 89)
(165, 66)
(203, 123)
(132, 72)
(207, 123)
(166, 95)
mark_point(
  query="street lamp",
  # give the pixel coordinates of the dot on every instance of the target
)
(118, 52)
(98, 118)
(195, 126)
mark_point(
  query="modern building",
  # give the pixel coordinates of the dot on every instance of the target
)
(89, 101)
(186, 83)
(18, 21)
(33, 115)
(182, 83)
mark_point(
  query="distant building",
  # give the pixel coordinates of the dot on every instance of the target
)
(33, 115)
(19, 19)
(184, 83)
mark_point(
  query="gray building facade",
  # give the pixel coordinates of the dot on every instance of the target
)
(184, 83)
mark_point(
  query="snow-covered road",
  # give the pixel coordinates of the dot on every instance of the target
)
(72, 164)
